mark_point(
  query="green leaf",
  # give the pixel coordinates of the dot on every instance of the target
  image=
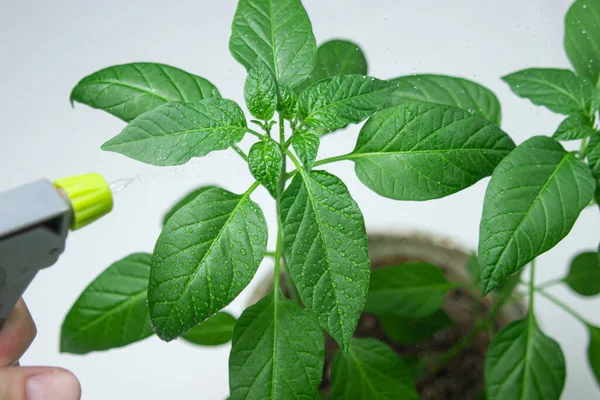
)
(415, 365)
(594, 351)
(277, 353)
(582, 38)
(265, 163)
(574, 127)
(205, 256)
(174, 133)
(373, 371)
(531, 203)
(216, 330)
(326, 250)
(279, 33)
(129, 90)
(411, 290)
(287, 102)
(557, 89)
(447, 90)
(183, 201)
(260, 92)
(584, 274)
(336, 57)
(410, 331)
(593, 155)
(306, 145)
(423, 151)
(111, 312)
(341, 100)
(523, 363)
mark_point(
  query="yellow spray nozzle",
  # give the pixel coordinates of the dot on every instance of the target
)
(90, 197)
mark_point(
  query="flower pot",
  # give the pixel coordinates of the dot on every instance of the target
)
(462, 377)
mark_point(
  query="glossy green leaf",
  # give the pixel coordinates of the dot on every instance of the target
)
(260, 92)
(582, 38)
(423, 151)
(174, 133)
(593, 155)
(287, 102)
(557, 89)
(326, 250)
(129, 90)
(594, 351)
(216, 330)
(336, 57)
(341, 100)
(371, 371)
(266, 162)
(411, 290)
(279, 33)
(447, 90)
(205, 256)
(183, 201)
(531, 203)
(574, 127)
(584, 274)
(523, 363)
(410, 331)
(111, 312)
(306, 145)
(277, 352)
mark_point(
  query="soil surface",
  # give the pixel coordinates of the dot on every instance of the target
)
(462, 378)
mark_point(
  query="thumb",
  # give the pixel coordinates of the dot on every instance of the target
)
(38, 383)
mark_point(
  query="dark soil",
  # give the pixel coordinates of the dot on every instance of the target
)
(462, 378)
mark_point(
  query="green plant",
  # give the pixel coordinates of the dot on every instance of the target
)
(426, 137)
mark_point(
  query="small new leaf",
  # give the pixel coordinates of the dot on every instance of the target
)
(287, 102)
(371, 370)
(410, 331)
(260, 92)
(265, 163)
(584, 274)
(326, 250)
(216, 330)
(532, 201)
(205, 256)
(336, 57)
(277, 352)
(306, 145)
(175, 132)
(447, 90)
(423, 151)
(111, 312)
(523, 363)
(407, 291)
(557, 89)
(582, 38)
(279, 33)
(574, 127)
(129, 90)
(341, 100)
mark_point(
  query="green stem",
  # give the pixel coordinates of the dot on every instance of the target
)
(531, 314)
(333, 159)
(270, 254)
(583, 148)
(240, 152)
(549, 283)
(565, 307)
(253, 132)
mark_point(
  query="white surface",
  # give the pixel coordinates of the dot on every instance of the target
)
(46, 47)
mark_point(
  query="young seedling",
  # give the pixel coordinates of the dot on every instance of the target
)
(425, 137)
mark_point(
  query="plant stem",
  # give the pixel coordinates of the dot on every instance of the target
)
(253, 132)
(583, 148)
(549, 283)
(562, 305)
(270, 254)
(240, 152)
(333, 159)
(531, 286)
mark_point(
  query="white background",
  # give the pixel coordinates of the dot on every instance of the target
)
(47, 46)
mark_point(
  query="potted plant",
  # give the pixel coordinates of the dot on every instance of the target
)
(425, 137)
